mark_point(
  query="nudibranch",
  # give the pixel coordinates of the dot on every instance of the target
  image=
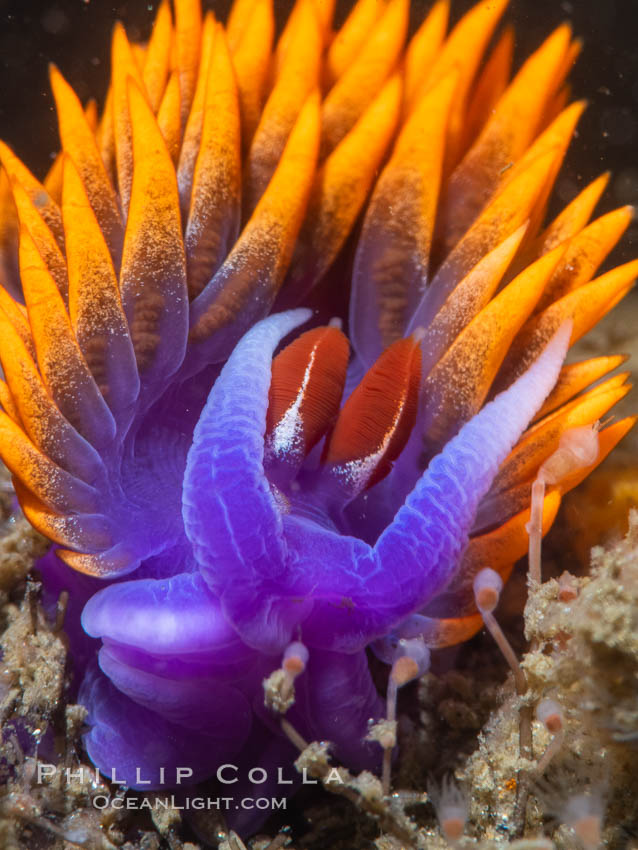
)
(222, 468)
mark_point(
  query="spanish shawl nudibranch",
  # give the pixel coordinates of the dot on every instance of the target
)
(220, 498)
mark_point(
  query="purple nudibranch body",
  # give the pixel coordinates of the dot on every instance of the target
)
(192, 641)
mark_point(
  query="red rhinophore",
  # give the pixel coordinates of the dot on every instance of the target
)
(376, 421)
(305, 391)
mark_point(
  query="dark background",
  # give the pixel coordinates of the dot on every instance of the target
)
(75, 34)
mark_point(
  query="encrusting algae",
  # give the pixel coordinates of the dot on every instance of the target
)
(258, 526)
